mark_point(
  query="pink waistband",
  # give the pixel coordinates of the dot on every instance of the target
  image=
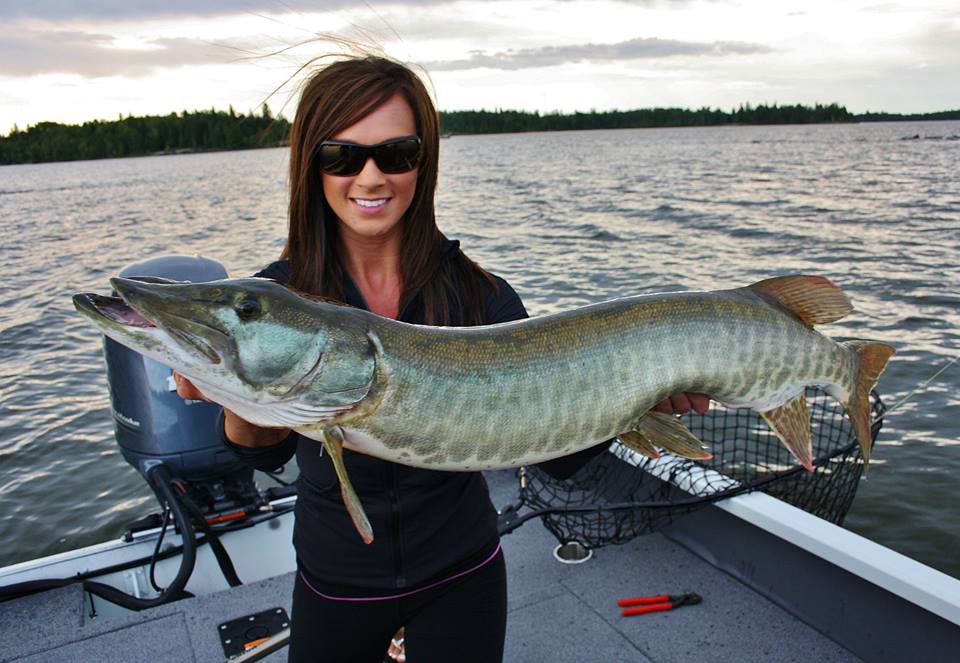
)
(404, 594)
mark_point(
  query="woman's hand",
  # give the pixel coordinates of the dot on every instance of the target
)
(187, 390)
(238, 430)
(684, 402)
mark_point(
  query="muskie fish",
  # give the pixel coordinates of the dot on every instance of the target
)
(502, 395)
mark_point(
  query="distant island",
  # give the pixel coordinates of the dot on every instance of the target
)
(507, 121)
(213, 130)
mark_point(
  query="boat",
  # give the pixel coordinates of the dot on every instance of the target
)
(211, 577)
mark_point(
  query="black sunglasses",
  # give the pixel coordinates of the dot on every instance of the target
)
(397, 155)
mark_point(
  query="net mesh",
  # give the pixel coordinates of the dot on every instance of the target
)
(609, 501)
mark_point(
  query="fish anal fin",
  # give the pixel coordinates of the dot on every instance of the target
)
(638, 443)
(872, 358)
(669, 433)
(814, 299)
(791, 423)
(333, 444)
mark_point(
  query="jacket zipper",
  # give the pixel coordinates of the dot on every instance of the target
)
(397, 518)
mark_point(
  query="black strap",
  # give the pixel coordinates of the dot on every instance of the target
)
(219, 551)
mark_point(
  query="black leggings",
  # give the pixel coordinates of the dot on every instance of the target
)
(464, 620)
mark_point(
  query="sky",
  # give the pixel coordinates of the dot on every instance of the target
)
(77, 60)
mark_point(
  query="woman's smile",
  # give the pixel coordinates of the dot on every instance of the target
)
(371, 205)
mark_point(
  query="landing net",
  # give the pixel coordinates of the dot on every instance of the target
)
(610, 500)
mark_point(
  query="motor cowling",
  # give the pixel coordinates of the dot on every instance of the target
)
(154, 425)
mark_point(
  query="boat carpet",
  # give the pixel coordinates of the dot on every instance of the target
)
(558, 613)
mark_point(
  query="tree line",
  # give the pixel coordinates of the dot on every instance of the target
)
(227, 130)
(908, 117)
(137, 136)
(501, 121)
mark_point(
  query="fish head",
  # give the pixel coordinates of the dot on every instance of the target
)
(251, 341)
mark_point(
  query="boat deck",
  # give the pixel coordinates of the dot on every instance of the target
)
(557, 613)
(568, 612)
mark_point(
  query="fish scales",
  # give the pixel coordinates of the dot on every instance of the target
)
(468, 386)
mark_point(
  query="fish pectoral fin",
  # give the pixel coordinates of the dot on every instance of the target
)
(333, 444)
(791, 423)
(813, 299)
(668, 433)
(294, 414)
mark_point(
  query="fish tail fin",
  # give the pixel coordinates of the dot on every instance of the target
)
(871, 359)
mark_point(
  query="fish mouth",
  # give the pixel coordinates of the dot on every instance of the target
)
(117, 314)
(111, 308)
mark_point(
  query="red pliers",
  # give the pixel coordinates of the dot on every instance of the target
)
(656, 603)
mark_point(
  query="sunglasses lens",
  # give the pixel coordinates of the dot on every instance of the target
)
(341, 159)
(398, 157)
(345, 159)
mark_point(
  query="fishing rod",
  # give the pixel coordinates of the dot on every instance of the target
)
(918, 388)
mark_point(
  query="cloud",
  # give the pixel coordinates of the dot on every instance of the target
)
(121, 10)
(938, 41)
(25, 52)
(633, 49)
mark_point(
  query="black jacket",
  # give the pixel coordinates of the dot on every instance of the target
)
(427, 524)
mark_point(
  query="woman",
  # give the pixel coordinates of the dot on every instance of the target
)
(363, 172)
(362, 231)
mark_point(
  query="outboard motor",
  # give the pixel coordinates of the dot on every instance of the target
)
(154, 425)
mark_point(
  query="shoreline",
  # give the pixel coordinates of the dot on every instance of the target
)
(447, 135)
(141, 155)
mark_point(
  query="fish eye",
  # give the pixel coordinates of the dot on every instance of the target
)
(248, 309)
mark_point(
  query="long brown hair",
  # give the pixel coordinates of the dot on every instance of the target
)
(334, 98)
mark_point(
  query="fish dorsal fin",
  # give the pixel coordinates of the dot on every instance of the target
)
(813, 299)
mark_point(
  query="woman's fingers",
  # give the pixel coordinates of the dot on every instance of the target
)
(676, 404)
(684, 402)
(699, 402)
(187, 390)
(680, 403)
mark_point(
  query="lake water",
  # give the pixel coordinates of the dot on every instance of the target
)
(568, 219)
